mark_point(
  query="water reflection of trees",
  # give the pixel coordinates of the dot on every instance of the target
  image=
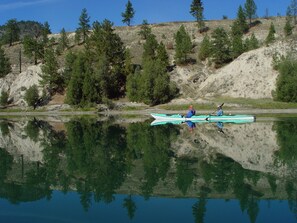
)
(95, 158)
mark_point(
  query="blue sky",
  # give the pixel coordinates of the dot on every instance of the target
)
(65, 13)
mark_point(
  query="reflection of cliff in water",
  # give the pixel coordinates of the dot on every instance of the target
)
(101, 159)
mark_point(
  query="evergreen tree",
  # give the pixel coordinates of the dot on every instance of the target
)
(288, 28)
(183, 45)
(239, 26)
(45, 32)
(220, 47)
(108, 45)
(133, 86)
(237, 46)
(196, 11)
(5, 66)
(74, 94)
(4, 98)
(12, 31)
(271, 35)
(31, 95)
(150, 48)
(33, 49)
(128, 14)
(205, 48)
(50, 75)
(145, 30)
(252, 43)
(250, 9)
(84, 26)
(162, 55)
(63, 40)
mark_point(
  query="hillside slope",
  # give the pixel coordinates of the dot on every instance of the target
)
(249, 76)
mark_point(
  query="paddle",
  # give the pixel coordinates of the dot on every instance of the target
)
(214, 111)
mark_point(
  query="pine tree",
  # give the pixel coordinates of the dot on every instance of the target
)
(133, 86)
(205, 48)
(150, 48)
(250, 9)
(183, 45)
(45, 32)
(74, 94)
(237, 46)
(239, 26)
(162, 55)
(108, 45)
(288, 28)
(271, 35)
(196, 11)
(50, 75)
(220, 47)
(33, 49)
(252, 42)
(84, 26)
(128, 14)
(145, 30)
(5, 66)
(12, 31)
(63, 40)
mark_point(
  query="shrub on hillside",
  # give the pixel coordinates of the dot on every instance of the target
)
(286, 85)
(31, 95)
(3, 98)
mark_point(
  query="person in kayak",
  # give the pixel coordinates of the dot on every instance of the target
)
(220, 111)
(190, 112)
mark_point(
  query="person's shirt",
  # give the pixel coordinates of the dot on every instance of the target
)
(220, 112)
(190, 113)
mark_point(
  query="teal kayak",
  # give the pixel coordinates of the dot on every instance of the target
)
(176, 118)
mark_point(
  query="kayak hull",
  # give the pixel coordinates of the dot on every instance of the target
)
(175, 118)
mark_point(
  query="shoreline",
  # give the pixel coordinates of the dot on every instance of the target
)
(144, 112)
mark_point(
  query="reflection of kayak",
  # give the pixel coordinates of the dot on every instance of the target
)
(178, 119)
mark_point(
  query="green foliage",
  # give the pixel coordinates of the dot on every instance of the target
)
(51, 78)
(237, 46)
(32, 130)
(183, 45)
(286, 139)
(31, 95)
(74, 94)
(239, 26)
(33, 48)
(150, 48)
(251, 43)
(45, 32)
(271, 35)
(4, 98)
(84, 26)
(5, 66)
(196, 11)
(205, 48)
(63, 40)
(286, 85)
(220, 46)
(250, 9)
(288, 28)
(152, 85)
(12, 31)
(145, 30)
(128, 14)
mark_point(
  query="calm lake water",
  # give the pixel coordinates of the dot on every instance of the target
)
(89, 170)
